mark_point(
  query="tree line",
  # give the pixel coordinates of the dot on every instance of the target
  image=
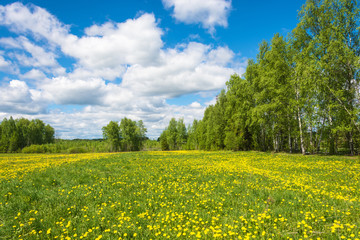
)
(19, 133)
(34, 136)
(126, 135)
(300, 94)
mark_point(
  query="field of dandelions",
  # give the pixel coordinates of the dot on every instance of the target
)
(179, 195)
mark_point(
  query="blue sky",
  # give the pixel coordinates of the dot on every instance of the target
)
(79, 64)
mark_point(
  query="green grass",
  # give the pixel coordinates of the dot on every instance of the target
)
(186, 195)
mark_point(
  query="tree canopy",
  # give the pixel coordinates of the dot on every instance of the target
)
(174, 137)
(126, 135)
(19, 133)
(300, 94)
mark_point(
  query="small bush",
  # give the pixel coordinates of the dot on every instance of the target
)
(77, 150)
(35, 149)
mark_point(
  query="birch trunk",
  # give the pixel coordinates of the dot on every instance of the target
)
(300, 125)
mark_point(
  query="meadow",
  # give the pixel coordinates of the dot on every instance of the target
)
(179, 195)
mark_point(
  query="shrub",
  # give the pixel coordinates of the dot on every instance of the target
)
(35, 149)
(77, 150)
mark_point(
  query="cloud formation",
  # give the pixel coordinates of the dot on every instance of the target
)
(17, 97)
(31, 19)
(3, 63)
(209, 13)
(187, 69)
(119, 69)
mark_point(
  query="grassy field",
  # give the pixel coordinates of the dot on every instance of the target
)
(179, 195)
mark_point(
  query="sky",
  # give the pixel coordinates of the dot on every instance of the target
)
(79, 64)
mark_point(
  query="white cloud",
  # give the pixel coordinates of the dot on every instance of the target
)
(3, 63)
(220, 56)
(108, 73)
(23, 52)
(63, 90)
(107, 49)
(102, 52)
(182, 71)
(136, 41)
(7, 66)
(17, 92)
(88, 122)
(100, 31)
(132, 51)
(117, 96)
(16, 97)
(34, 74)
(209, 13)
(195, 105)
(39, 56)
(10, 42)
(33, 19)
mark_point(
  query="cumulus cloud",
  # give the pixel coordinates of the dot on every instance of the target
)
(63, 90)
(39, 57)
(34, 74)
(108, 73)
(24, 52)
(195, 67)
(107, 49)
(16, 97)
(119, 70)
(88, 122)
(33, 20)
(16, 92)
(136, 41)
(99, 53)
(209, 13)
(195, 105)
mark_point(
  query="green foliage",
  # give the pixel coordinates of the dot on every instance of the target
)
(300, 95)
(20, 133)
(164, 141)
(133, 134)
(192, 142)
(70, 146)
(111, 132)
(174, 137)
(35, 149)
(77, 150)
(128, 135)
(152, 145)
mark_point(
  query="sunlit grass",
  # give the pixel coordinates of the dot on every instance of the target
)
(15, 166)
(185, 195)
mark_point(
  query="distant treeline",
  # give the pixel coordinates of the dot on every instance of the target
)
(20, 133)
(301, 94)
(33, 136)
(83, 146)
